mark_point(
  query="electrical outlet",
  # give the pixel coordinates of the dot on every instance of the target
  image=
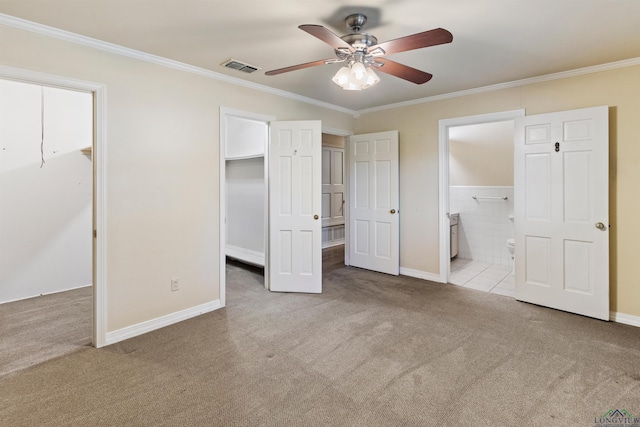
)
(175, 284)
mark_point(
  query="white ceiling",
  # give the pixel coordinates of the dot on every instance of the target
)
(494, 41)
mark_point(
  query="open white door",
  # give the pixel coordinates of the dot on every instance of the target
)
(561, 205)
(374, 226)
(295, 185)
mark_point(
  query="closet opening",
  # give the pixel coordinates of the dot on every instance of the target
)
(46, 223)
(244, 156)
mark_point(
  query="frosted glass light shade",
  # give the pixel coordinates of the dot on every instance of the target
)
(355, 77)
(359, 72)
(371, 80)
(342, 76)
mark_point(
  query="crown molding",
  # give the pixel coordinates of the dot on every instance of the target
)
(532, 80)
(23, 24)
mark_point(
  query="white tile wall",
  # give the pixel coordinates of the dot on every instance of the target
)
(484, 225)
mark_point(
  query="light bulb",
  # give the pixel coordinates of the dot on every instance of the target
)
(359, 72)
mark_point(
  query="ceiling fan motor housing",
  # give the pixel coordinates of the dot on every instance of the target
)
(355, 22)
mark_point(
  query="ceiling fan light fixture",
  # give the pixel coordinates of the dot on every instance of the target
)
(342, 76)
(356, 76)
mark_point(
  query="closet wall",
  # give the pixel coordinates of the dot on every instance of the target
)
(246, 189)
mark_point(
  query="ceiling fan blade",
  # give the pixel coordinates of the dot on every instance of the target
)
(300, 66)
(403, 71)
(416, 41)
(326, 36)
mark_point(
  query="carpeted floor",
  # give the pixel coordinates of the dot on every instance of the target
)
(372, 350)
(38, 329)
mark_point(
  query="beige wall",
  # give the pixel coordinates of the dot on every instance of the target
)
(481, 154)
(162, 168)
(418, 126)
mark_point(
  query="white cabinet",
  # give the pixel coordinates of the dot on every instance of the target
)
(454, 234)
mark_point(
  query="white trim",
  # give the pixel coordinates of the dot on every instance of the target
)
(332, 243)
(626, 319)
(45, 294)
(68, 36)
(245, 255)
(99, 180)
(224, 112)
(425, 275)
(443, 203)
(99, 158)
(160, 322)
(336, 132)
(507, 85)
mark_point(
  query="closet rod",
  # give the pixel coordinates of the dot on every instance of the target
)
(490, 197)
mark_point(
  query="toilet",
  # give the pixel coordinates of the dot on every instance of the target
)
(511, 245)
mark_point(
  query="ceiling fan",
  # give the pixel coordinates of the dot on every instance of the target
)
(361, 53)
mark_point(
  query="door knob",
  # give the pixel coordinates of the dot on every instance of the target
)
(315, 217)
(600, 226)
(392, 211)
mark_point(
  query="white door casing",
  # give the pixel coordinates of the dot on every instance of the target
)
(295, 241)
(561, 182)
(374, 226)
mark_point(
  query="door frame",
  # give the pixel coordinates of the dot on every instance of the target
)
(98, 159)
(443, 204)
(345, 161)
(226, 111)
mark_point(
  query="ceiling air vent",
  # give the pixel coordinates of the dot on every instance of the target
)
(240, 66)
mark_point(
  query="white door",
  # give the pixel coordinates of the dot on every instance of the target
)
(295, 241)
(561, 208)
(374, 227)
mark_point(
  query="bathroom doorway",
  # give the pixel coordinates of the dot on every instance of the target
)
(476, 201)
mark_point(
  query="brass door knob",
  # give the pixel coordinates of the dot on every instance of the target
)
(392, 211)
(316, 217)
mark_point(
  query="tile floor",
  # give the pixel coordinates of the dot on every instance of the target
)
(493, 278)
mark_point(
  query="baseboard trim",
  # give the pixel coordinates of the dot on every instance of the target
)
(626, 319)
(46, 293)
(332, 243)
(160, 322)
(420, 274)
(246, 255)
